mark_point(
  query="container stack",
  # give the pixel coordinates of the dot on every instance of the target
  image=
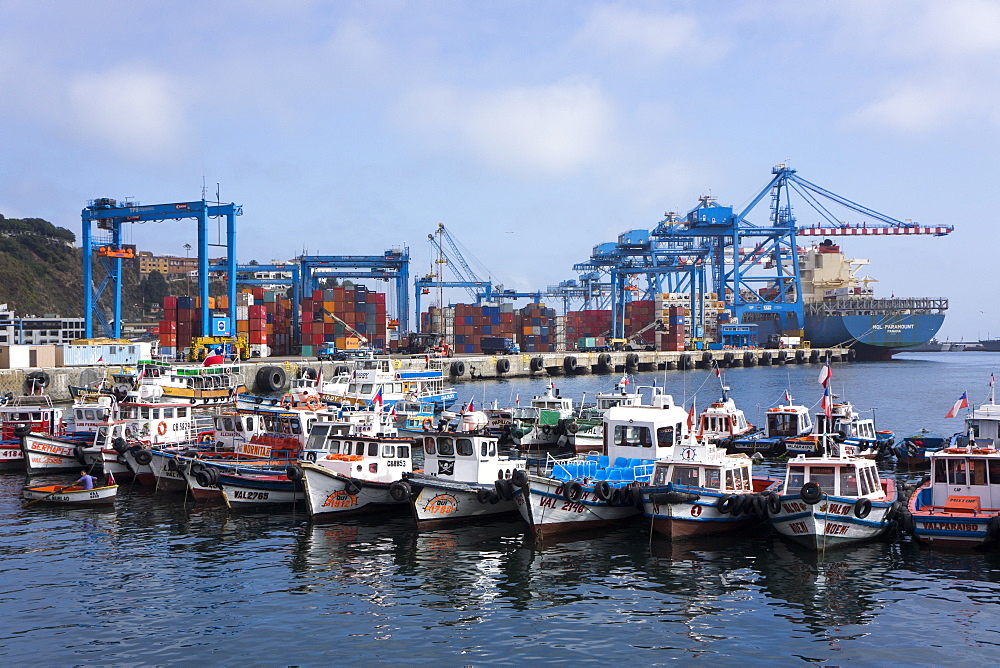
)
(639, 314)
(590, 323)
(674, 338)
(360, 308)
(536, 328)
(466, 324)
(181, 322)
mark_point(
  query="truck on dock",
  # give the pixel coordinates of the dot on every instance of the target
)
(592, 344)
(499, 345)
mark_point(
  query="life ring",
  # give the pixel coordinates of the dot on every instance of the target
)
(427, 424)
(811, 493)
(287, 400)
(572, 491)
(313, 403)
(603, 490)
(161, 428)
(207, 437)
(862, 507)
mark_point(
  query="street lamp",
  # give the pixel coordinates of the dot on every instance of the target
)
(187, 269)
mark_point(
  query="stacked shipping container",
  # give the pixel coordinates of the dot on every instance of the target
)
(362, 309)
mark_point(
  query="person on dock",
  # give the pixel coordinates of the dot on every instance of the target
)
(86, 480)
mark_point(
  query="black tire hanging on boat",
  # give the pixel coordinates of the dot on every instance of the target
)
(537, 364)
(172, 464)
(503, 365)
(119, 445)
(494, 498)
(906, 521)
(519, 478)
(504, 489)
(760, 506)
(992, 527)
(22, 430)
(862, 507)
(774, 503)
(811, 493)
(603, 490)
(143, 457)
(353, 487)
(400, 491)
(204, 478)
(572, 491)
(80, 454)
(727, 504)
(483, 496)
(293, 473)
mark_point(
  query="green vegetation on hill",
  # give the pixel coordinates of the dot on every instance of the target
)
(39, 273)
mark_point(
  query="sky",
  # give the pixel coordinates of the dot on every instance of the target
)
(532, 130)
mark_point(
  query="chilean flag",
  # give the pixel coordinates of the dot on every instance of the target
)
(963, 402)
(472, 406)
(788, 397)
(690, 420)
(827, 402)
(718, 371)
(215, 358)
(824, 375)
(624, 381)
(377, 399)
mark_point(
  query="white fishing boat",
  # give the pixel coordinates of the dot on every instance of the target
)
(348, 473)
(850, 434)
(698, 490)
(464, 476)
(70, 495)
(539, 426)
(587, 491)
(829, 501)
(722, 422)
(23, 415)
(383, 381)
(585, 430)
(781, 423)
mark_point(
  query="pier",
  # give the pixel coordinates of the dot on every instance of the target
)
(472, 367)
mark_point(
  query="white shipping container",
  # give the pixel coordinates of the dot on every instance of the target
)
(106, 353)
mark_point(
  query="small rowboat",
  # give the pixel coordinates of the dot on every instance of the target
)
(72, 495)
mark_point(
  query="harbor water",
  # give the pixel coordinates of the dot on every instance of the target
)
(156, 580)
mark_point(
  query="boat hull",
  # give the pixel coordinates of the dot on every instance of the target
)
(247, 491)
(876, 336)
(44, 454)
(438, 502)
(832, 522)
(329, 494)
(675, 514)
(548, 511)
(99, 496)
(940, 528)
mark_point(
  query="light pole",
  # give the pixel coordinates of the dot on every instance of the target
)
(187, 269)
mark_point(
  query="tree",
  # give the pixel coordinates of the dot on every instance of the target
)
(153, 289)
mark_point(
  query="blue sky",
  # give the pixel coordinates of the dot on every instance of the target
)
(532, 130)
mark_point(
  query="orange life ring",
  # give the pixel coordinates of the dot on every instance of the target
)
(313, 403)
(161, 428)
(427, 424)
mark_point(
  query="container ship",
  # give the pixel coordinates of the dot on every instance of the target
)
(841, 309)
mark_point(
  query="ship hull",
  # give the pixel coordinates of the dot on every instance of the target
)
(876, 336)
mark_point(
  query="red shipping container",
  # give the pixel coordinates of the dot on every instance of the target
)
(169, 303)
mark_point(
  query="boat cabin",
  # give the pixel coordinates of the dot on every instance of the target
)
(725, 474)
(332, 446)
(846, 421)
(852, 478)
(466, 457)
(92, 409)
(36, 411)
(722, 420)
(233, 428)
(983, 426)
(787, 422)
(965, 473)
(643, 432)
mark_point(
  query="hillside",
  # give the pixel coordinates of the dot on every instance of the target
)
(39, 272)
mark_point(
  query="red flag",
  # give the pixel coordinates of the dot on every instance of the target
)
(690, 420)
(788, 397)
(963, 402)
(827, 402)
(718, 371)
(215, 358)
(111, 479)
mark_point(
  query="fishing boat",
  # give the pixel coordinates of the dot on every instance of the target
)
(829, 501)
(465, 476)
(585, 430)
(698, 489)
(722, 422)
(539, 426)
(381, 380)
(200, 385)
(582, 492)
(914, 450)
(352, 472)
(781, 423)
(959, 503)
(22, 415)
(849, 434)
(413, 417)
(71, 495)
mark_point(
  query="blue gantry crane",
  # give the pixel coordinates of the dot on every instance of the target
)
(110, 215)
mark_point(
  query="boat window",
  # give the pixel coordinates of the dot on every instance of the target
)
(154, 413)
(388, 451)
(373, 449)
(88, 414)
(956, 472)
(977, 471)
(249, 423)
(848, 482)
(866, 483)
(182, 412)
(744, 474)
(366, 389)
(316, 438)
(359, 448)
(493, 448)
(238, 424)
(296, 427)
(873, 478)
(994, 465)
(446, 447)
(332, 446)
(483, 449)
(783, 424)
(796, 478)
(632, 436)
(402, 452)
(823, 476)
(429, 445)
(713, 478)
(227, 424)
(940, 471)
(464, 447)
(686, 475)
(730, 481)
(660, 475)
(144, 412)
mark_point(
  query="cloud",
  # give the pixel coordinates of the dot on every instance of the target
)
(138, 112)
(549, 129)
(647, 37)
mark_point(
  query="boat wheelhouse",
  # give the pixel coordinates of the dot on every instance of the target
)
(379, 380)
(780, 424)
